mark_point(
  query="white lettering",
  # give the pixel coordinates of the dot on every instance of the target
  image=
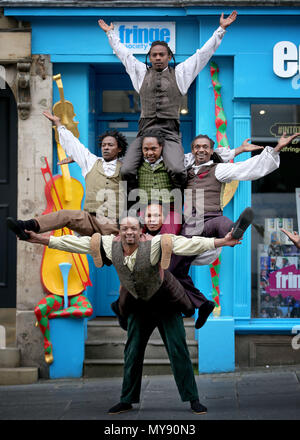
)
(278, 277)
(285, 59)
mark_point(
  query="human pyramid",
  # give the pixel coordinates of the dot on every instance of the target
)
(133, 216)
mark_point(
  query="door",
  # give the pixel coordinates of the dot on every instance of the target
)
(118, 108)
(8, 196)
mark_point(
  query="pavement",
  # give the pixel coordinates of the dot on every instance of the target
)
(256, 394)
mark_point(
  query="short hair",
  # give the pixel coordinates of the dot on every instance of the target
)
(157, 134)
(201, 136)
(126, 214)
(160, 43)
(120, 138)
(215, 156)
(160, 203)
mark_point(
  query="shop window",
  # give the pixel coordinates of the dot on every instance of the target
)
(120, 101)
(128, 101)
(275, 260)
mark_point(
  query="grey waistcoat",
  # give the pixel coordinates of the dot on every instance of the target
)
(144, 281)
(160, 95)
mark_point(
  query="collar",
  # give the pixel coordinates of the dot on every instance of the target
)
(210, 162)
(155, 163)
(110, 162)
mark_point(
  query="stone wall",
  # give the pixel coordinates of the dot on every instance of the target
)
(34, 142)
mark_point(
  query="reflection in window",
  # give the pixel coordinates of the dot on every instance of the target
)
(275, 261)
(120, 101)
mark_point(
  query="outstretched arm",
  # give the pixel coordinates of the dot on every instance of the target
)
(285, 141)
(294, 237)
(187, 71)
(67, 243)
(246, 148)
(228, 155)
(228, 240)
(135, 68)
(55, 119)
(104, 26)
(225, 22)
(72, 146)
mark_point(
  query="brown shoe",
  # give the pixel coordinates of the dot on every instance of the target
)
(166, 243)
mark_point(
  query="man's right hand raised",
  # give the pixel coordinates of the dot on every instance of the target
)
(104, 26)
(53, 118)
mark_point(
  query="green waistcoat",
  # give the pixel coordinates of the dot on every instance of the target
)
(155, 182)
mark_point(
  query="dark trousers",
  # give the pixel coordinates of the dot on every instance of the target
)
(170, 293)
(173, 153)
(214, 226)
(171, 329)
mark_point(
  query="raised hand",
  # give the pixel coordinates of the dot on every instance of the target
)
(65, 161)
(104, 26)
(228, 240)
(294, 237)
(52, 118)
(225, 22)
(248, 148)
(285, 141)
(37, 238)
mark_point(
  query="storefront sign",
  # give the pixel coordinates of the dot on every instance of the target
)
(286, 59)
(285, 282)
(137, 37)
(285, 127)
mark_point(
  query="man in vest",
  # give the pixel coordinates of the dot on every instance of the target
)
(206, 180)
(153, 224)
(154, 182)
(138, 266)
(209, 178)
(161, 89)
(104, 190)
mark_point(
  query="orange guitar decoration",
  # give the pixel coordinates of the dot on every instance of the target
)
(63, 192)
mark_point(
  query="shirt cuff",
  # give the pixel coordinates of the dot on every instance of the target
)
(52, 241)
(221, 31)
(271, 151)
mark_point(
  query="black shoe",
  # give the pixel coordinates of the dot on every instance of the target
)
(17, 227)
(120, 408)
(122, 321)
(197, 407)
(203, 313)
(244, 220)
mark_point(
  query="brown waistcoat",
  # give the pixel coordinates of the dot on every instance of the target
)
(145, 280)
(213, 189)
(160, 95)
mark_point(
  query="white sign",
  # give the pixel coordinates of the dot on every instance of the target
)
(137, 37)
(286, 59)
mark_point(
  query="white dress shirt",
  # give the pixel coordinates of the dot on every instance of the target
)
(185, 72)
(181, 246)
(251, 169)
(82, 155)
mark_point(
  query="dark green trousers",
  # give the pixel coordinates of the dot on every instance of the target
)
(171, 328)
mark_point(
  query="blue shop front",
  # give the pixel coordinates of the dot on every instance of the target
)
(258, 61)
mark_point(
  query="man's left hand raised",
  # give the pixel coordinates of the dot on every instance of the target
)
(225, 22)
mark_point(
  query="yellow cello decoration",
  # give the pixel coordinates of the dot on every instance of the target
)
(63, 192)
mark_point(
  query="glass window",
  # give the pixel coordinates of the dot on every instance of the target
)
(120, 101)
(275, 260)
(128, 101)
